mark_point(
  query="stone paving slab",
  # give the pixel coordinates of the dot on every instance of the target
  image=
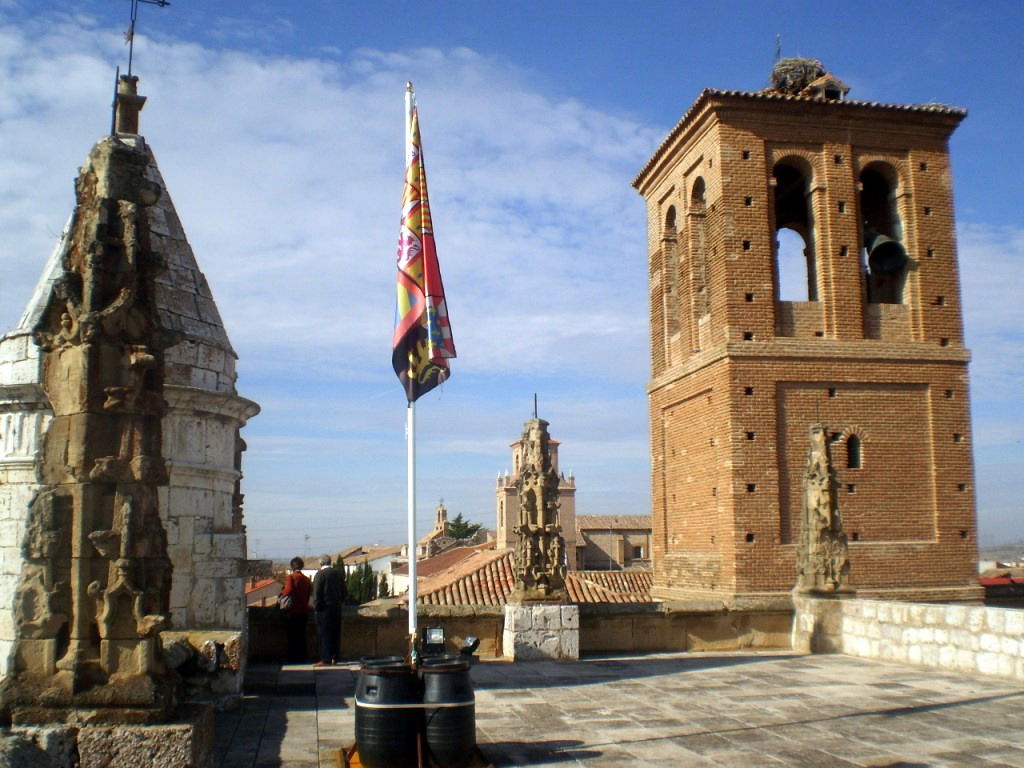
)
(735, 709)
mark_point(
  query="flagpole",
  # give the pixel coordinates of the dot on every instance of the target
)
(410, 433)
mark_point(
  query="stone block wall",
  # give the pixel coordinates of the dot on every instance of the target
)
(959, 638)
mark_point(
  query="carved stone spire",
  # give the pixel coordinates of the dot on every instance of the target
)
(540, 549)
(94, 591)
(822, 556)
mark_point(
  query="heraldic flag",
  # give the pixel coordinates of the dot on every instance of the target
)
(423, 341)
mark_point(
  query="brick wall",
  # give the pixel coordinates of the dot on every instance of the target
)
(738, 377)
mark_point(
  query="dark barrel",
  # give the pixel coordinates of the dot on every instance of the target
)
(449, 712)
(387, 713)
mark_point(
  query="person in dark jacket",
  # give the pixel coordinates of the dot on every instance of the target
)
(329, 593)
(297, 587)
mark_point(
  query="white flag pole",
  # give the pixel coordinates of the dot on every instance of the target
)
(410, 430)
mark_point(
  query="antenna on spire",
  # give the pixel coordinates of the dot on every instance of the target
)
(778, 47)
(535, 406)
(129, 36)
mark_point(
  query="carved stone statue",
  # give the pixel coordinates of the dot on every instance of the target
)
(94, 593)
(823, 558)
(540, 549)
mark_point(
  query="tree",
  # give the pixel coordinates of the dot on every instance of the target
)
(382, 587)
(462, 529)
(362, 584)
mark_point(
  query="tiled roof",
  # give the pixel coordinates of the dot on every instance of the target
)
(249, 588)
(448, 558)
(369, 553)
(486, 578)
(769, 95)
(613, 522)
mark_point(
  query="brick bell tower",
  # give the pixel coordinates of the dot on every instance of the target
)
(803, 271)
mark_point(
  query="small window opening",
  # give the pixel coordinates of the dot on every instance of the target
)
(927, 210)
(961, 487)
(749, 297)
(746, 154)
(940, 301)
(851, 488)
(855, 536)
(750, 538)
(963, 533)
(853, 452)
(949, 394)
(748, 201)
(844, 250)
(748, 335)
(746, 245)
(838, 159)
(751, 487)
(943, 342)
(750, 435)
(819, 334)
(748, 391)
(957, 437)
(842, 207)
(832, 392)
(931, 253)
(835, 436)
(923, 166)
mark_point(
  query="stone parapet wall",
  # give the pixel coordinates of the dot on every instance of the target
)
(962, 638)
(372, 630)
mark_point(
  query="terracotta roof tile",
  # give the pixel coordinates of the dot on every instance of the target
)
(486, 578)
(446, 559)
(260, 585)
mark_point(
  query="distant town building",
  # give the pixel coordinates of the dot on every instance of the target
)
(613, 542)
(854, 200)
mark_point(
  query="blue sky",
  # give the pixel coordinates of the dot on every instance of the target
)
(278, 128)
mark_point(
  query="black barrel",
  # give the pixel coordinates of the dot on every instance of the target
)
(388, 713)
(449, 708)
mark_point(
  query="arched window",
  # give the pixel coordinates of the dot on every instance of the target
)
(853, 452)
(791, 256)
(884, 255)
(698, 194)
(795, 262)
(670, 219)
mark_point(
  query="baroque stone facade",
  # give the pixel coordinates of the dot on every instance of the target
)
(869, 342)
(200, 505)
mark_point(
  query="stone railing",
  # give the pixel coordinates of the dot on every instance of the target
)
(961, 638)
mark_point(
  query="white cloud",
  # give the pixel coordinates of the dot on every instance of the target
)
(287, 175)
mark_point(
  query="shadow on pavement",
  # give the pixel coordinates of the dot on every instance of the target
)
(536, 752)
(495, 675)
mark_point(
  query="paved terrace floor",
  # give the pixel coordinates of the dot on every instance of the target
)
(678, 709)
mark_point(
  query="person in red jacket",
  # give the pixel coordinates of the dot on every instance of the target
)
(298, 587)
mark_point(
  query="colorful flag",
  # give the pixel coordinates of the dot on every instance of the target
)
(422, 342)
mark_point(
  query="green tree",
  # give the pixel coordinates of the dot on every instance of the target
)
(362, 584)
(462, 529)
(382, 587)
